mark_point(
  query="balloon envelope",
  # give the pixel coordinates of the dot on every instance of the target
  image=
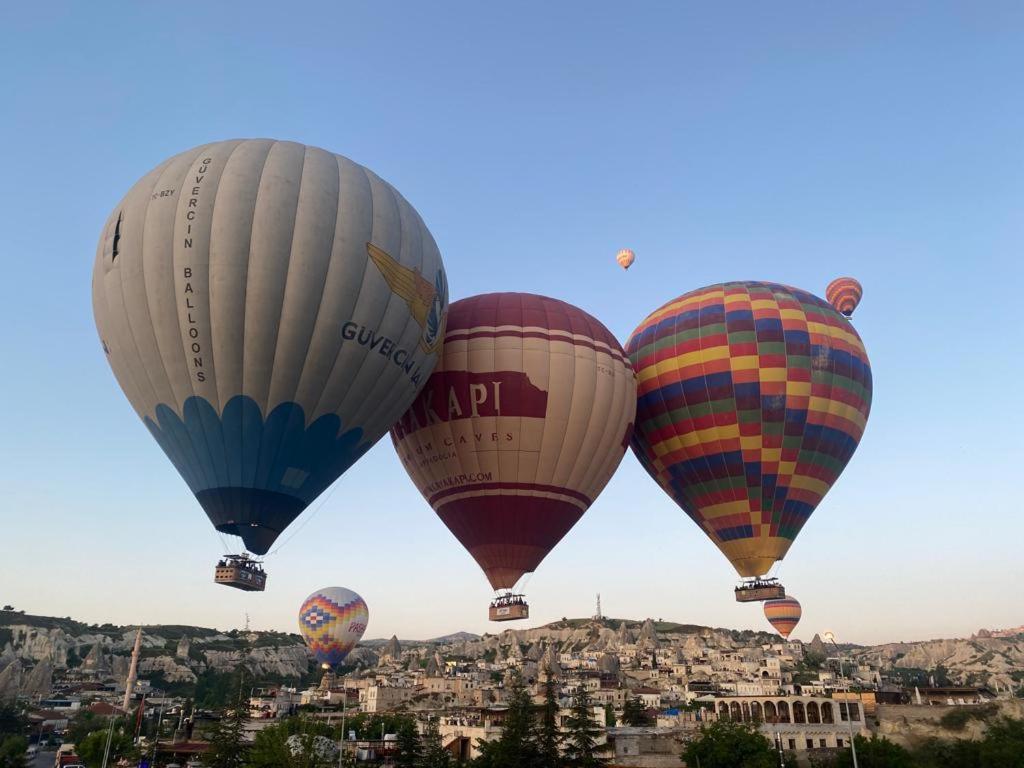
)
(331, 621)
(751, 400)
(844, 294)
(269, 309)
(519, 428)
(783, 614)
(625, 257)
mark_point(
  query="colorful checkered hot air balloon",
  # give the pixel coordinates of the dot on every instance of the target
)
(844, 294)
(518, 429)
(625, 257)
(331, 621)
(783, 614)
(751, 399)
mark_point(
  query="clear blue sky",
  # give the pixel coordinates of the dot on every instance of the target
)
(792, 141)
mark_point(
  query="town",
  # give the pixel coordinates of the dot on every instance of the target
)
(161, 695)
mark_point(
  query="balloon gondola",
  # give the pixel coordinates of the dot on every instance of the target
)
(751, 399)
(508, 607)
(520, 427)
(757, 589)
(269, 310)
(241, 572)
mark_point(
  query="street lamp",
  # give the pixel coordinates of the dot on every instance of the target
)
(831, 638)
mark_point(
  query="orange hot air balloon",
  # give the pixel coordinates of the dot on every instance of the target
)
(844, 294)
(518, 429)
(783, 614)
(625, 257)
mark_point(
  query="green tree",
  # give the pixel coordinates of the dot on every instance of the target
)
(634, 713)
(948, 753)
(408, 749)
(548, 736)
(93, 746)
(227, 749)
(434, 753)
(271, 748)
(12, 720)
(12, 751)
(516, 748)
(1003, 745)
(875, 752)
(582, 733)
(725, 744)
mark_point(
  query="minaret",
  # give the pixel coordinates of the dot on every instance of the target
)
(133, 672)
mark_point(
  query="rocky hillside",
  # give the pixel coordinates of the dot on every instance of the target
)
(171, 655)
(181, 657)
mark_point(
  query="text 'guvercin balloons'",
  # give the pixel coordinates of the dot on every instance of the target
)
(520, 427)
(752, 398)
(269, 309)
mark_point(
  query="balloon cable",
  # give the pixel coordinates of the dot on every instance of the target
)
(305, 522)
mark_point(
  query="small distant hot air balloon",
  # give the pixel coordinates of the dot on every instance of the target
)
(844, 294)
(751, 399)
(518, 430)
(331, 621)
(783, 614)
(269, 309)
(625, 257)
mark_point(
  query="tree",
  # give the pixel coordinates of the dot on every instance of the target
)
(581, 739)
(517, 746)
(876, 752)
(226, 742)
(548, 735)
(434, 753)
(726, 744)
(272, 748)
(1003, 744)
(94, 746)
(408, 749)
(634, 713)
(12, 751)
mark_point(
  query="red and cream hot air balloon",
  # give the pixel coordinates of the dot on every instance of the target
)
(518, 430)
(783, 614)
(625, 257)
(844, 294)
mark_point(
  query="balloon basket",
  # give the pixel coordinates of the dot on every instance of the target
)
(241, 572)
(757, 591)
(508, 608)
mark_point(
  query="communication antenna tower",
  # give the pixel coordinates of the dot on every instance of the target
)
(598, 615)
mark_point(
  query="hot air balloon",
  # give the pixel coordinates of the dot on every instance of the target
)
(751, 399)
(269, 309)
(844, 294)
(625, 257)
(783, 614)
(518, 430)
(331, 621)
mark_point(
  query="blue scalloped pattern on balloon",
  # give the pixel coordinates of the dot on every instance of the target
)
(241, 449)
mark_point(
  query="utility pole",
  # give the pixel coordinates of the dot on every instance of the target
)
(110, 736)
(830, 637)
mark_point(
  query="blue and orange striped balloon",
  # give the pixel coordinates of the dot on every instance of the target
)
(783, 614)
(332, 621)
(751, 399)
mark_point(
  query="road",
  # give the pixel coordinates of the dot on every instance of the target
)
(43, 760)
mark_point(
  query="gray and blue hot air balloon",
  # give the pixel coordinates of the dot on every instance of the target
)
(270, 310)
